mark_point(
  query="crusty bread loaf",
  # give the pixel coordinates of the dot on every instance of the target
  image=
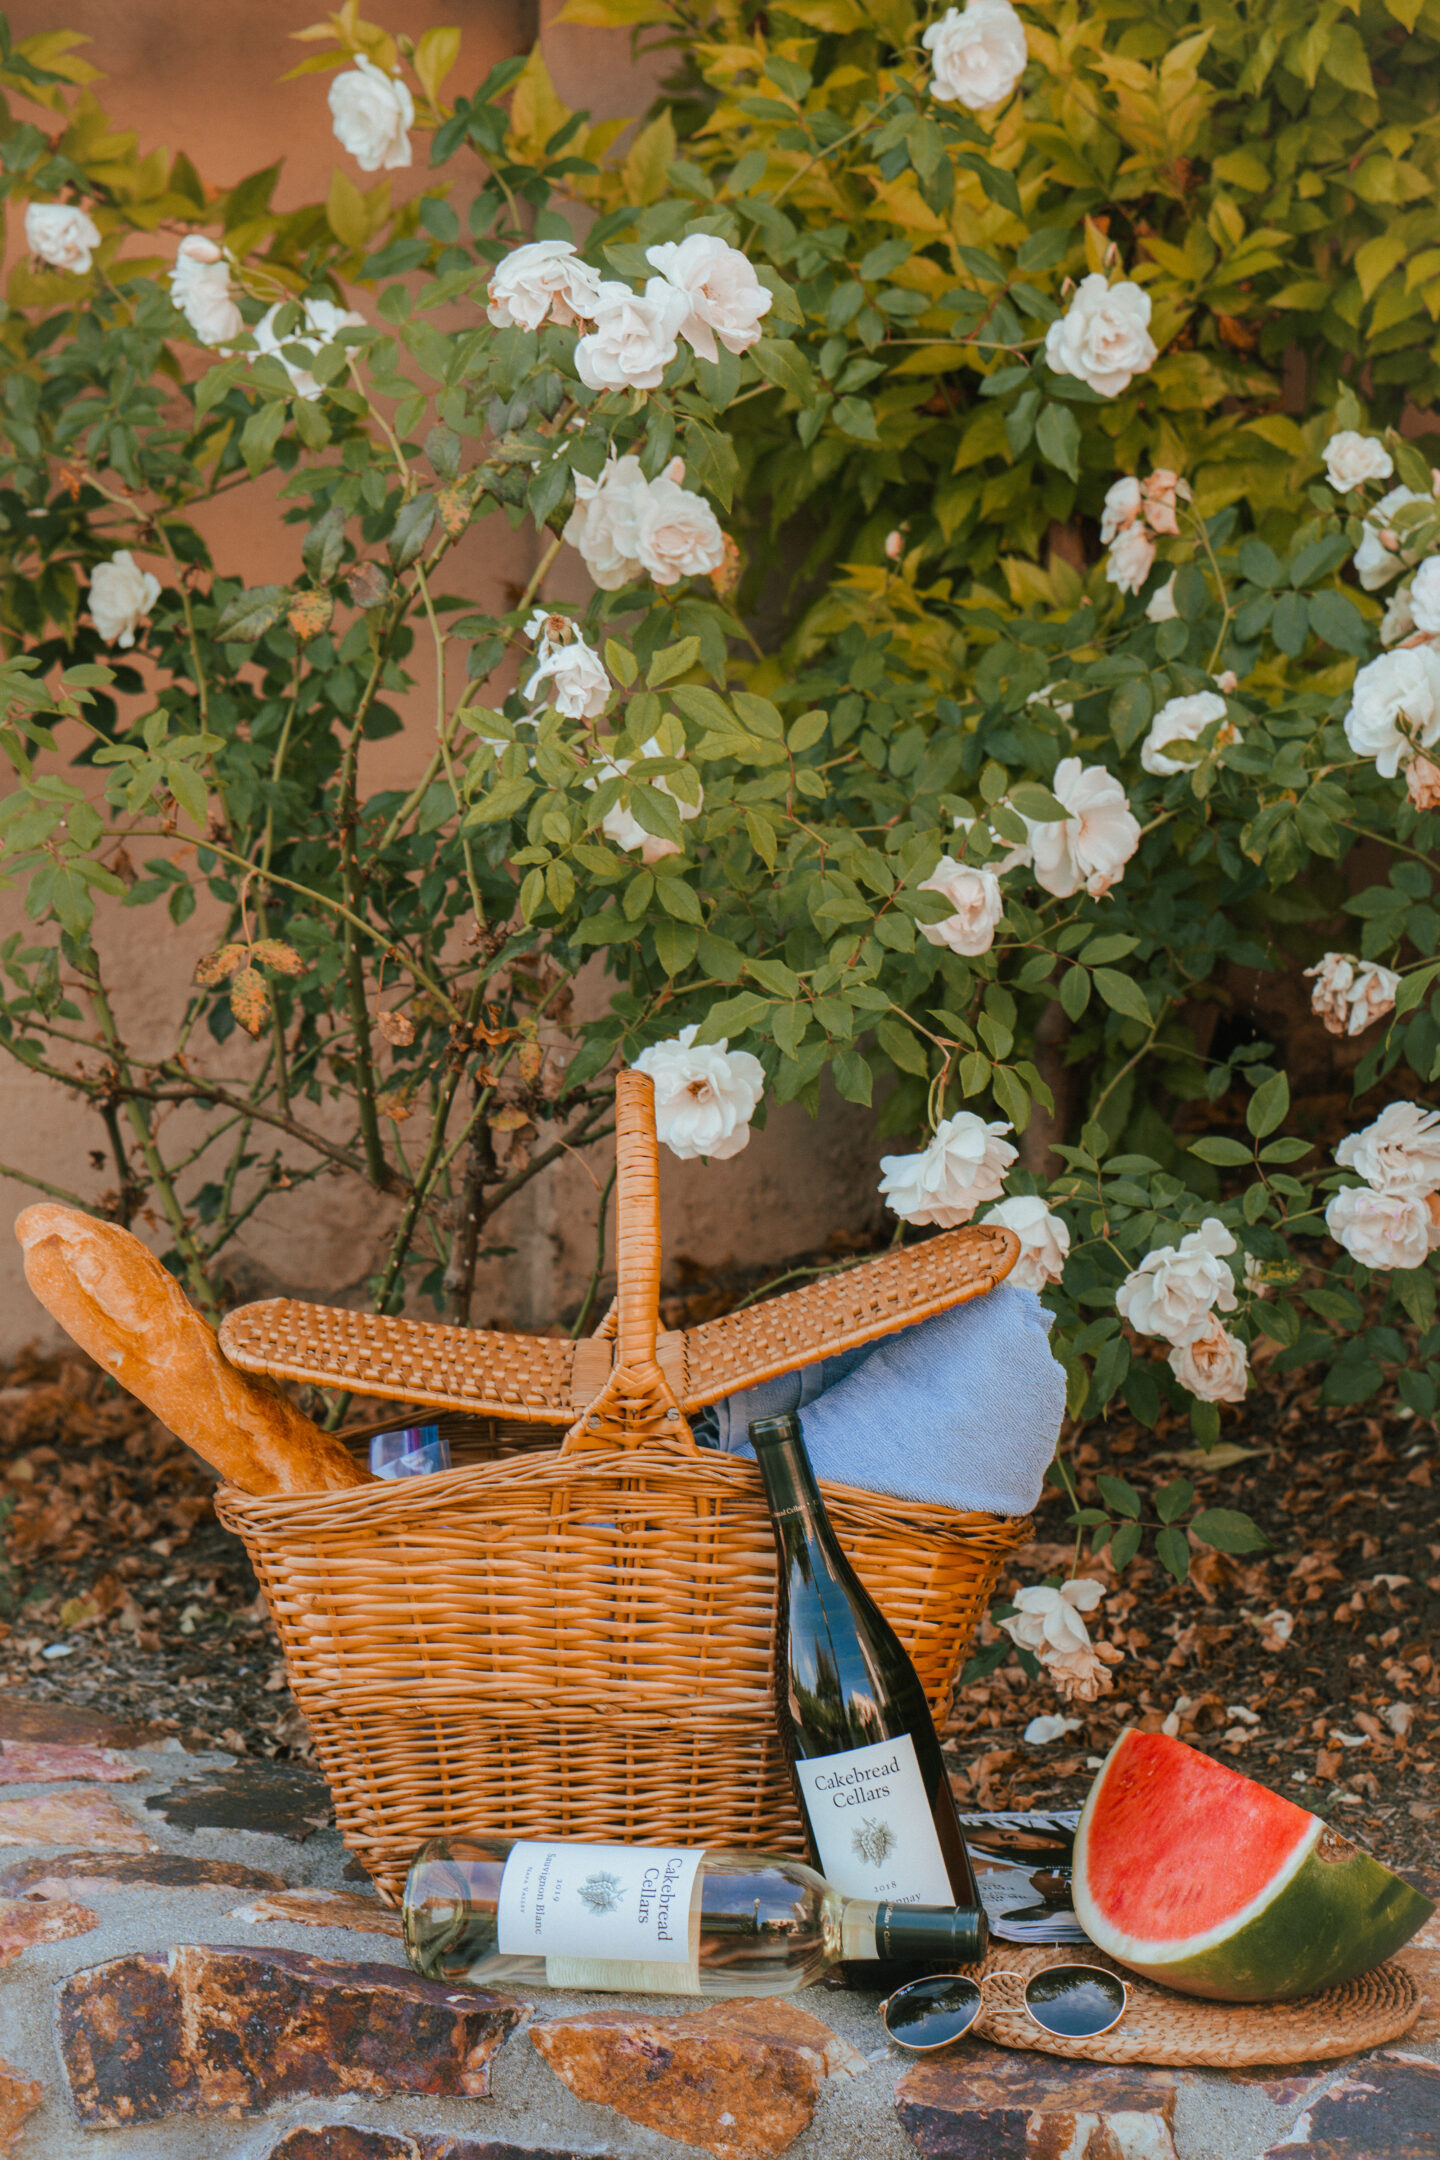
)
(110, 1293)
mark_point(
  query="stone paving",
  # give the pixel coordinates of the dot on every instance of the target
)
(190, 1974)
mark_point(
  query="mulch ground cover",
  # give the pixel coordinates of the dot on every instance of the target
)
(1313, 1668)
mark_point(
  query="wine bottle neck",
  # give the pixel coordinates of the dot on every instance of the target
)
(795, 1504)
(901, 1933)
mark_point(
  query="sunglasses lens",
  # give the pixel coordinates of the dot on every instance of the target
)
(927, 2013)
(1075, 2002)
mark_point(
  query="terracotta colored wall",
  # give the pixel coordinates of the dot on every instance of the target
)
(203, 76)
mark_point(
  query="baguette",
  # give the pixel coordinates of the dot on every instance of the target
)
(112, 1296)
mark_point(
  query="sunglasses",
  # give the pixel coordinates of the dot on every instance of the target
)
(1070, 2002)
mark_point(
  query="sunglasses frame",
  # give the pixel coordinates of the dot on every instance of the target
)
(933, 2047)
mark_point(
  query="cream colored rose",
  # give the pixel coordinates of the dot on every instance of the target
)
(1351, 994)
(1375, 564)
(1162, 491)
(573, 669)
(1397, 622)
(372, 113)
(704, 1098)
(543, 281)
(1131, 558)
(1422, 782)
(1399, 1153)
(1425, 596)
(964, 1165)
(973, 892)
(677, 534)
(1123, 504)
(1160, 607)
(1395, 707)
(603, 523)
(1176, 1288)
(61, 235)
(1048, 1623)
(725, 298)
(1382, 1230)
(1044, 1239)
(634, 338)
(1093, 845)
(1213, 1366)
(121, 596)
(1184, 719)
(324, 321)
(1103, 337)
(200, 288)
(977, 57)
(1351, 459)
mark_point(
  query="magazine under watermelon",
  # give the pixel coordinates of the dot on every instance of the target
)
(1200, 1878)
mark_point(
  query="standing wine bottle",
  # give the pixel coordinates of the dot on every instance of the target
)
(667, 1919)
(866, 1757)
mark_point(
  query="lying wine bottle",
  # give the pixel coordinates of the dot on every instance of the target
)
(867, 1762)
(658, 1919)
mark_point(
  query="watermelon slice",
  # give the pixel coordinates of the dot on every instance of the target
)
(1207, 1882)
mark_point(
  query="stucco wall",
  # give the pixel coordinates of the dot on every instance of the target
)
(204, 77)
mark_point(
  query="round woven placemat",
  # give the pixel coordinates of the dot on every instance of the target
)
(1160, 2026)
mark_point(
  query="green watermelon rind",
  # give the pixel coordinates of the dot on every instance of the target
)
(1328, 1913)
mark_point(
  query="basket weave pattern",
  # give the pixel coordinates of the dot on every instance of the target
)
(578, 1642)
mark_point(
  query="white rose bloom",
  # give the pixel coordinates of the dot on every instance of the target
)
(1131, 558)
(1124, 501)
(1042, 1730)
(1350, 994)
(1425, 596)
(964, 1165)
(1044, 1239)
(1183, 719)
(544, 279)
(575, 668)
(677, 534)
(623, 827)
(1399, 1154)
(1422, 783)
(1095, 842)
(121, 596)
(1382, 1230)
(1160, 607)
(1400, 687)
(60, 234)
(1176, 1288)
(1397, 622)
(978, 57)
(324, 319)
(1104, 335)
(200, 288)
(705, 1098)
(372, 114)
(973, 891)
(1213, 1366)
(725, 298)
(1048, 1623)
(634, 339)
(1375, 564)
(1351, 458)
(603, 523)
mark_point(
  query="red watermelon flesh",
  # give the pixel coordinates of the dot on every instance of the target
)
(1200, 1878)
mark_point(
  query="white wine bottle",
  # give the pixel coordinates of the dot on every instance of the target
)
(656, 1919)
(868, 1768)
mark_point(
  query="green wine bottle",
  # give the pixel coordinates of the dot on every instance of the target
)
(868, 1768)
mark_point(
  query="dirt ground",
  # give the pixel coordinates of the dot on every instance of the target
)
(1313, 1669)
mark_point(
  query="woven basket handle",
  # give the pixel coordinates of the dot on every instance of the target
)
(636, 1407)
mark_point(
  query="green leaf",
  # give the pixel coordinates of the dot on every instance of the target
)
(1172, 1500)
(1120, 1496)
(785, 365)
(1125, 1544)
(731, 1017)
(670, 661)
(1075, 992)
(1172, 1550)
(1057, 438)
(1268, 1105)
(852, 1075)
(1122, 995)
(621, 662)
(1215, 1149)
(251, 613)
(260, 434)
(1229, 1531)
(902, 1047)
(412, 529)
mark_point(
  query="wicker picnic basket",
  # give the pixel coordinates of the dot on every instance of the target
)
(571, 1633)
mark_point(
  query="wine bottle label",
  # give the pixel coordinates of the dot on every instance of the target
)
(628, 1902)
(872, 1824)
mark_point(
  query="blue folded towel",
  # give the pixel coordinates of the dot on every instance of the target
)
(963, 1410)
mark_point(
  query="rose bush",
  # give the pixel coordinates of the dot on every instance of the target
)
(862, 761)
